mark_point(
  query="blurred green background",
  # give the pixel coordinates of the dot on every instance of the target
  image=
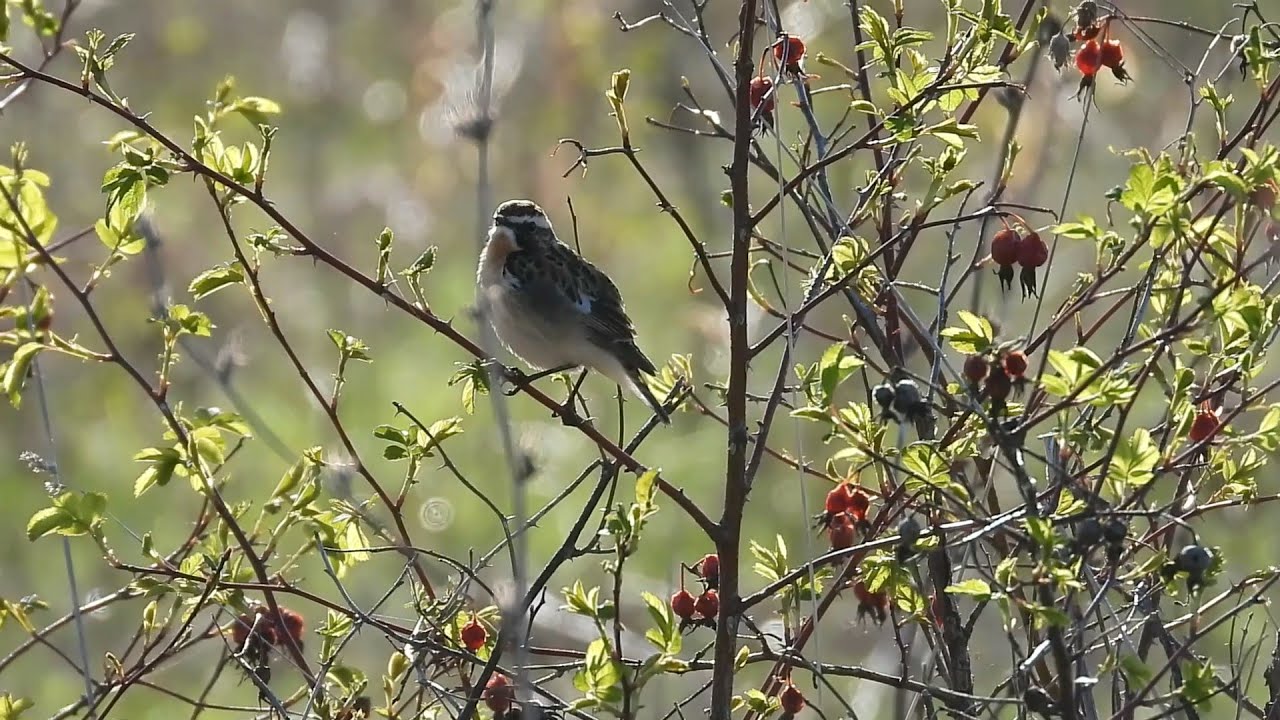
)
(371, 91)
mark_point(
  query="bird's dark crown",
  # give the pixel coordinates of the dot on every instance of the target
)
(513, 213)
(526, 221)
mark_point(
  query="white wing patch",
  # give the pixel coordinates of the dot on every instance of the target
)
(584, 303)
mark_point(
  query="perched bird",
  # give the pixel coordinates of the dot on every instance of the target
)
(553, 309)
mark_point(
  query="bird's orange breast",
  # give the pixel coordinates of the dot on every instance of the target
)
(500, 245)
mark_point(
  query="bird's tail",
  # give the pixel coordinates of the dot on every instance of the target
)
(641, 388)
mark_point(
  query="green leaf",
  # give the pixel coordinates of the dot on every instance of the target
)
(385, 239)
(46, 521)
(11, 707)
(350, 346)
(162, 464)
(975, 337)
(978, 589)
(25, 190)
(835, 367)
(214, 279)
(666, 633)
(209, 445)
(348, 678)
(740, 661)
(928, 468)
(644, 487)
(186, 320)
(17, 369)
(617, 93)
(72, 514)
(127, 243)
(1133, 464)
(951, 132)
(256, 109)
(1200, 683)
(581, 601)
(301, 470)
(423, 264)
(1044, 616)
(438, 432)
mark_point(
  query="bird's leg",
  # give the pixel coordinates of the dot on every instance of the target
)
(519, 379)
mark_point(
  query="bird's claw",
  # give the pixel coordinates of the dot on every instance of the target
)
(515, 377)
(569, 416)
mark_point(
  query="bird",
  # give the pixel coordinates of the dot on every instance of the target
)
(552, 308)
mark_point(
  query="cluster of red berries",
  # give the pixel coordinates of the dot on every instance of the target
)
(999, 375)
(703, 609)
(1205, 424)
(1093, 55)
(788, 51)
(844, 512)
(254, 633)
(1009, 247)
(473, 635)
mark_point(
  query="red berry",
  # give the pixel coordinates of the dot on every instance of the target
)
(1111, 53)
(709, 569)
(976, 368)
(290, 623)
(708, 604)
(498, 694)
(789, 51)
(841, 531)
(761, 97)
(858, 504)
(682, 605)
(875, 604)
(1032, 252)
(1264, 196)
(838, 500)
(791, 699)
(1204, 426)
(998, 385)
(1089, 58)
(1004, 247)
(473, 635)
(1015, 364)
(240, 630)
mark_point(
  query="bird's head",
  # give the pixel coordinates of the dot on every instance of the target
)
(519, 225)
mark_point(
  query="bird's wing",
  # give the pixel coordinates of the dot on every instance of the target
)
(595, 295)
(606, 320)
(561, 287)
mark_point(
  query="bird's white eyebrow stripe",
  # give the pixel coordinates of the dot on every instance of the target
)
(530, 218)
